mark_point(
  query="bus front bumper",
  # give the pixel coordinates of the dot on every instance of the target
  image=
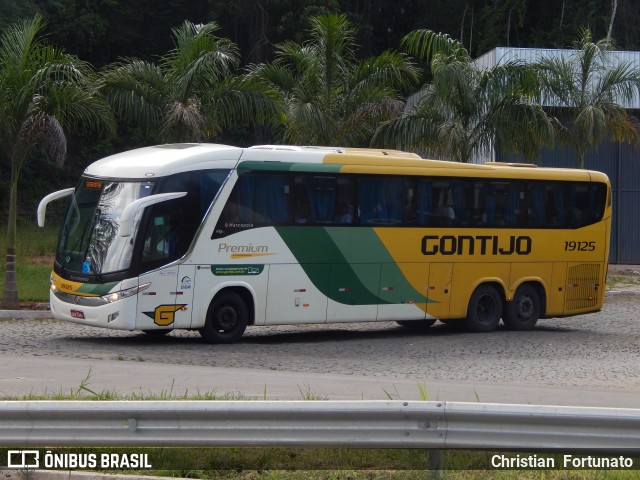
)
(120, 315)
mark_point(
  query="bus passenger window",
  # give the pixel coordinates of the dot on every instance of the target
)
(478, 218)
(382, 200)
(257, 200)
(345, 213)
(443, 213)
(302, 213)
(322, 199)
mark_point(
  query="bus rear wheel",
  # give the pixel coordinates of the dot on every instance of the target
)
(523, 312)
(485, 309)
(227, 318)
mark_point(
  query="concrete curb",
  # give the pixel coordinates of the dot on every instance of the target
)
(25, 314)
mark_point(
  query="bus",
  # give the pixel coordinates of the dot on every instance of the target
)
(216, 238)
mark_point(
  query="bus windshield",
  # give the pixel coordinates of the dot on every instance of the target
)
(89, 241)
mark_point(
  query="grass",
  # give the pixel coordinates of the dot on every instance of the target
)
(34, 255)
(623, 281)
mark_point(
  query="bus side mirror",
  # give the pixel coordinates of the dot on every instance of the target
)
(131, 210)
(42, 206)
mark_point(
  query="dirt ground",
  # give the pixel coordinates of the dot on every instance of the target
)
(626, 270)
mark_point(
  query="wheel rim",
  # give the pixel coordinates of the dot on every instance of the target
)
(525, 307)
(486, 309)
(226, 318)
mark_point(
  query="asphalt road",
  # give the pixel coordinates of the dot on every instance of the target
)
(585, 360)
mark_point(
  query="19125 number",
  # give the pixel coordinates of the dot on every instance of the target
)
(572, 246)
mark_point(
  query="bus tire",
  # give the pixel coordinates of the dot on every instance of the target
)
(484, 310)
(227, 318)
(426, 323)
(523, 312)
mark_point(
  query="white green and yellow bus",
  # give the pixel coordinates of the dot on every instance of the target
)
(217, 238)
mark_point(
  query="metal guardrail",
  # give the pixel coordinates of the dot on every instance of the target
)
(385, 424)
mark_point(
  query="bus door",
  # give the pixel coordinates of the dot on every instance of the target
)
(166, 301)
(157, 305)
(439, 290)
(403, 291)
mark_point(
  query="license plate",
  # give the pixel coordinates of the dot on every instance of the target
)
(77, 314)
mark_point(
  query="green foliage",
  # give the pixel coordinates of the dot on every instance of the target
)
(587, 93)
(44, 92)
(35, 252)
(15, 10)
(191, 94)
(465, 110)
(103, 31)
(329, 97)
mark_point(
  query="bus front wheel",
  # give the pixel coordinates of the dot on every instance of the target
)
(523, 312)
(227, 318)
(485, 309)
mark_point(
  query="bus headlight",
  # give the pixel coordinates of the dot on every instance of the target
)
(115, 296)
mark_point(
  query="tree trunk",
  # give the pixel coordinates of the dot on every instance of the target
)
(10, 291)
(464, 14)
(614, 7)
(580, 154)
(509, 27)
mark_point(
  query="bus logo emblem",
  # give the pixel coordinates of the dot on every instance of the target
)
(164, 315)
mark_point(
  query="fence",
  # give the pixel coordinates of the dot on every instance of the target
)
(384, 424)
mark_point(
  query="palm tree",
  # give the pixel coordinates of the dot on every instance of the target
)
(191, 94)
(586, 89)
(467, 110)
(43, 93)
(329, 97)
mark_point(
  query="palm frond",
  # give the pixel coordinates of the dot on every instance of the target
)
(389, 68)
(16, 44)
(199, 59)
(136, 91)
(40, 129)
(424, 44)
(241, 101)
(184, 121)
(413, 131)
(278, 77)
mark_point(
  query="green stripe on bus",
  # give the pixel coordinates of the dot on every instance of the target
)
(313, 246)
(96, 289)
(362, 245)
(356, 256)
